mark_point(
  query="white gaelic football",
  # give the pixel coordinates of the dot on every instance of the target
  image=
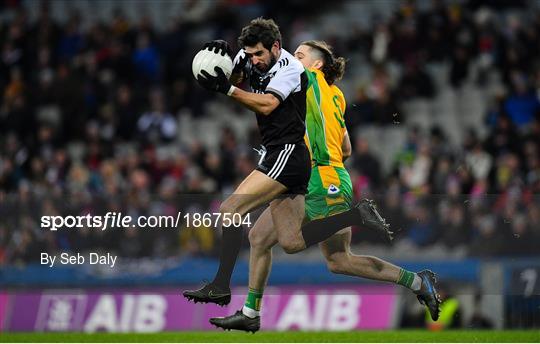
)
(206, 60)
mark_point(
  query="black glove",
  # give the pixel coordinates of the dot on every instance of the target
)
(219, 47)
(240, 64)
(238, 73)
(218, 83)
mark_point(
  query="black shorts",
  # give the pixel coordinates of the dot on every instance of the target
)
(289, 164)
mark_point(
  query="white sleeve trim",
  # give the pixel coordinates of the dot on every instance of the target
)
(287, 79)
(272, 90)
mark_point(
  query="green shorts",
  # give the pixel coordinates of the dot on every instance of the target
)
(329, 192)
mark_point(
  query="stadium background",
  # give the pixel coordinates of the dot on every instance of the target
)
(100, 111)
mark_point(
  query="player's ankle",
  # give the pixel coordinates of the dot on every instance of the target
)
(409, 280)
(416, 284)
(249, 312)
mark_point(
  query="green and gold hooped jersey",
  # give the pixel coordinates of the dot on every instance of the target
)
(325, 123)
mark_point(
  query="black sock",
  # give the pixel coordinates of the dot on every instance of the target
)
(231, 242)
(319, 230)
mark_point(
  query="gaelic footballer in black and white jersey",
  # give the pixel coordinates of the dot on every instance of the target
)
(277, 96)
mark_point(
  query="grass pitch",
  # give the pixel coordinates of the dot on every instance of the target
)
(280, 337)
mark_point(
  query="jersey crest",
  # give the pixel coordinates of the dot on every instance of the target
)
(332, 189)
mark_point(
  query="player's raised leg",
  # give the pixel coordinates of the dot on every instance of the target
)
(364, 214)
(331, 188)
(263, 236)
(341, 260)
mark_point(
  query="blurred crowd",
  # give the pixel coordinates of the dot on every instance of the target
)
(89, 121)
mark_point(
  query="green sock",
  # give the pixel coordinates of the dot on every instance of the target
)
(406, 278)
(254, 298)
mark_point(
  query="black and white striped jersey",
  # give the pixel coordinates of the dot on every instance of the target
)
(287, 81)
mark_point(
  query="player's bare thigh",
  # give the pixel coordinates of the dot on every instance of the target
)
(255, 190)
(288, 214)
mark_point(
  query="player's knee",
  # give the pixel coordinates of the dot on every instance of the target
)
(291, 249)
(256, 240)
(291, 246)
(227, 208)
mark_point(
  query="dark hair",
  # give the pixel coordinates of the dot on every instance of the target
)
(333, 67)
(261, 30)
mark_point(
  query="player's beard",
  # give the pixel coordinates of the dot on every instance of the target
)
(269, 66)
(273, 61)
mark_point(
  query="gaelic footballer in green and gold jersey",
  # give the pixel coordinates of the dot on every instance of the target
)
(330, 187)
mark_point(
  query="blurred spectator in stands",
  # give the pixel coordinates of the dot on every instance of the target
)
(533, 135)
(68, 92)
(488, 240)
(78, 178)
(522, 104)
(131, 245)
(179, 96)
(438, 142)
(157, 125)
(531, 152)
(522, 241)
(415, 81)
(404, 42)
(196, 241)
(422, 230)
(380, 43)
(503, 138)
(441, 175)
(125, 110)
(393, 209)
(479, 162)
(194, 12)
(119, 62)
(228, 154)
(507, 172)
(495, 110)
(244, 165)
(380, 83)
(486, 43)
(16, 114)
(146, 59)
(359, 111)
(415, 175)
(72, 41)
(456, 232)
(366, 164)
(460, 67)
(11, 57)
(386, 110)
